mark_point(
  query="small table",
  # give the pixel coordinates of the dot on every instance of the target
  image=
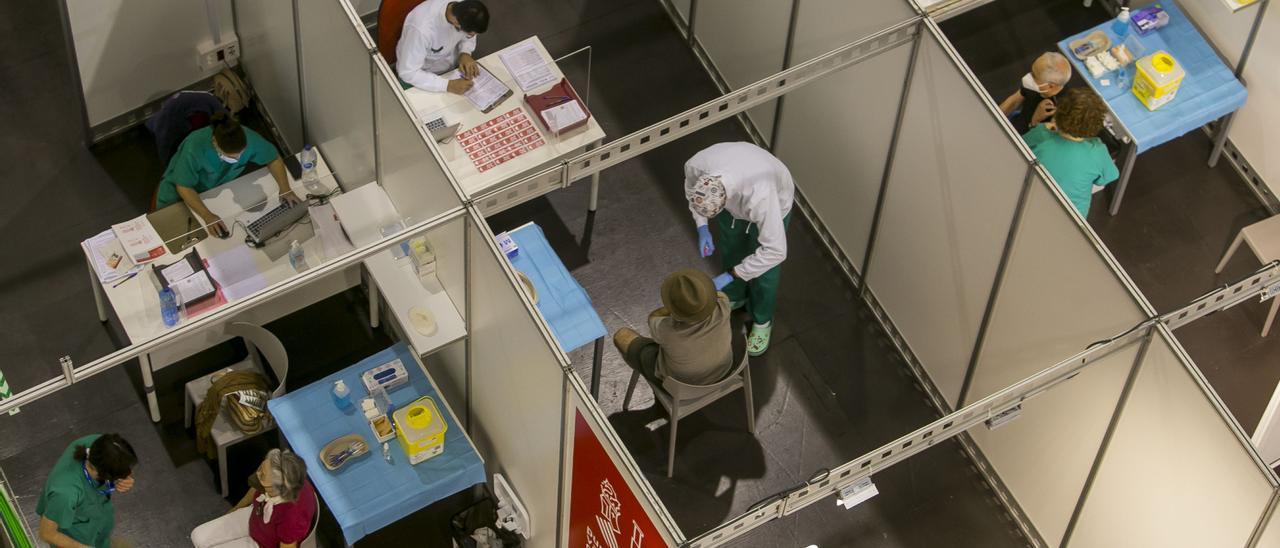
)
(456, 109)
(368, 493)
(137, 302)
(561, 299)
(1208, 92)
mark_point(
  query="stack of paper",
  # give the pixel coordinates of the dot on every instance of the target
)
(486, 90)
(527, 66)
(108, 257)
(140, 240)
(563, 115)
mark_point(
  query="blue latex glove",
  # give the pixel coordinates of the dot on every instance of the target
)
(721, 280)
(705, 244)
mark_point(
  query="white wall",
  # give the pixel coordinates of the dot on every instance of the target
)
(269, 57)
(413, 179)
(1254, 131)
(132, 52)
(746, 40)
(337, 89)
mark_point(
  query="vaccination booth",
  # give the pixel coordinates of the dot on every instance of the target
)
(1072, 397)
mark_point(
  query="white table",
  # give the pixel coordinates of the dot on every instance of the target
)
(457, 109)
(137, 302)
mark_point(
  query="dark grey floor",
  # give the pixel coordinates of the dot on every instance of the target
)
(1178, 215)
(828, 391)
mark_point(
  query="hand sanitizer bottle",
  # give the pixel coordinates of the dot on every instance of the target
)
(1121, 25)
(342, 395)
(297, 256)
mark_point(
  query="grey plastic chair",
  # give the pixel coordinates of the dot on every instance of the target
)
(681, 399)
(256, 339)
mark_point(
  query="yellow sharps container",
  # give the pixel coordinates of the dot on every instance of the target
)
(420, 428)
(1157, 80)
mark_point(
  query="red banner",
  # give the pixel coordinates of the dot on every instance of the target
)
(603, 513)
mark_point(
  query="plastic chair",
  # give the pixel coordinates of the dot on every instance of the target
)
(1263, 238)
(681, 399)
(256, 339)
(391, 16)
(310, 541)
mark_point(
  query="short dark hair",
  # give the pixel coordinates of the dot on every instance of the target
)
(472, 16)
(1081, 113)
(111, 455)
(227, 133)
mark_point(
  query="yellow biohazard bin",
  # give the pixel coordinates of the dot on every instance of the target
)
(1157, 79)
(420, 428)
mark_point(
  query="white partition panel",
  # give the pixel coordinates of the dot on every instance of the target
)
(746, 39)
(947, 210)
(824, 25)
(1174, 474)
(409, 171)
(269, 57)
(1271, 535)
(833, 138)
(517, 388)
(336, 91)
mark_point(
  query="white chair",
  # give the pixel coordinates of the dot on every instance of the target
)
(1263, 238)
(224, 432)
(310, 541)
(681, 400)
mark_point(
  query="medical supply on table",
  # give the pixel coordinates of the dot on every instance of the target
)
(1121, 25)
(379, 424)
(169, 307)
(528, 285)
(342, 395)
(387, 376)
(1150, 18)
(343, 449)
(507, 245)
(423, 321)
(1157, 79)
(1090, 44)
(386, 452)
(420, 428)
(297, 256)
(310, 178)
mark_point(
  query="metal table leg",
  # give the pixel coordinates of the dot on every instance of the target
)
(1126, 169)
(98, 294)
(374, 301)
(595, 184)
(149, 386)
(595, 368)
(1220, 138)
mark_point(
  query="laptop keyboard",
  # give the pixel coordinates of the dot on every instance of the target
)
(273, 222)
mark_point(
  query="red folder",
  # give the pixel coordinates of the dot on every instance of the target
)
(559, 94)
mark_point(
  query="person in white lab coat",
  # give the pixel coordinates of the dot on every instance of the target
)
(439, 35)
(749, 192)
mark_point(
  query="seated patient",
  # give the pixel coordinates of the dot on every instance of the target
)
(1070, 150)
(276, 512)
(1036, 98)
(691, 334)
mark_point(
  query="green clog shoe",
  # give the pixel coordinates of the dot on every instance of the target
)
(758, 340)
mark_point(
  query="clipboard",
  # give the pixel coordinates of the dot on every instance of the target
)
(190, 265)
(497, 101)
(559, 95)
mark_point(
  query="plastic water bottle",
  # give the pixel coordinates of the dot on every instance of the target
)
(342, 395)
(297, 256)
(310, 179)
(169, 307)
(1121, 25)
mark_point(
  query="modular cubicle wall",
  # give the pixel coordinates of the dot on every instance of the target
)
(986, 276)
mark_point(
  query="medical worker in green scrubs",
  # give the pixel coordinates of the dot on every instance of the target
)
(75, 508)
(1069, 148)
(749, 192)
(212, 156)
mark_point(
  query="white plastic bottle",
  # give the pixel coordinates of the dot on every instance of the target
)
(297, 256)
(310, 179)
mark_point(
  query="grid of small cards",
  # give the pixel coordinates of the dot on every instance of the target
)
(500, 139)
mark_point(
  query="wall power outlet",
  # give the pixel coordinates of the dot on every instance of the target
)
(212, 56)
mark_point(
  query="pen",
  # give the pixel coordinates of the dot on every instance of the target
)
(126, 278)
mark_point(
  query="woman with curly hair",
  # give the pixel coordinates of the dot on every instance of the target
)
(1069, 147)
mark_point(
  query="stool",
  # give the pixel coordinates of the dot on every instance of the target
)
(1263, 238)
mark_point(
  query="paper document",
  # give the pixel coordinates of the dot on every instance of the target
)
(108, 257)
(193, 288)
(237, 273)
(486, 90)
(563, 115)
(324, 220)
(527, 66)
(140, 239)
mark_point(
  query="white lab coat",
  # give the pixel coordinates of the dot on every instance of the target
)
(758, 189)
(429, 46)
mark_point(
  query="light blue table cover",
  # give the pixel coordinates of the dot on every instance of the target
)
(368, 494)
(562, 301)
(1209, 91)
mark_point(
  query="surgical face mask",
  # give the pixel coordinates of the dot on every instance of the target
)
(1029, 82)
(227, 159)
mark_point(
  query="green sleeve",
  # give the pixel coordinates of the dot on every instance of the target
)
(1036, 135)
(1108, 172)
(60, 507)
(262, 152)
(182, 170)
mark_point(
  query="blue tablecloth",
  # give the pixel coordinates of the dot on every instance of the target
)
(1209, 91)
(562, 301)
(368, 494)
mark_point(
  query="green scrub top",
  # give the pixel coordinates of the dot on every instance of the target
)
(196, 164)
(81, 512)
(1076, 165)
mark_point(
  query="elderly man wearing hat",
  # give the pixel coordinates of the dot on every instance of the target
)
(691, 335)
(749, 193)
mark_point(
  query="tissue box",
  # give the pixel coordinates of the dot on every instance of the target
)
(1157, 79)
(1148, 19)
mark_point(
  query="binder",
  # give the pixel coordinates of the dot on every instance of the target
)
(560, 98)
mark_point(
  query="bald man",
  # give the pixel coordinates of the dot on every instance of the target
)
(1039, 90)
